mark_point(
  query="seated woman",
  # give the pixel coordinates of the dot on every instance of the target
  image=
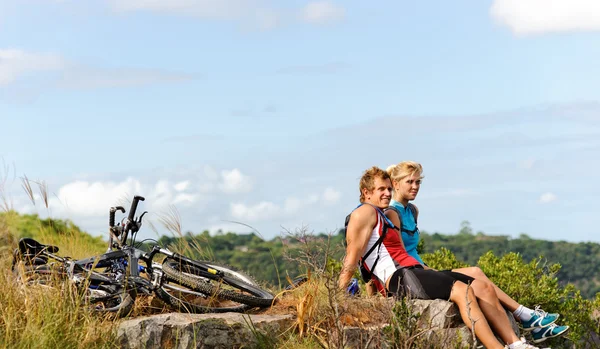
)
(406, 181)
(369, 230)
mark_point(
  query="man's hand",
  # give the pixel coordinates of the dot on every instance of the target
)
(353, 288)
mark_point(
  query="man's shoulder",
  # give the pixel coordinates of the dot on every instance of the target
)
(365, 212)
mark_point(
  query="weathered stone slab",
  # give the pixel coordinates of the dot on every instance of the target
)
(177, 330)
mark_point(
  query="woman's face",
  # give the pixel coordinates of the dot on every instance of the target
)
(407, 188)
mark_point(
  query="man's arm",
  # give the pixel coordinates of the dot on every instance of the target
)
(360, 227)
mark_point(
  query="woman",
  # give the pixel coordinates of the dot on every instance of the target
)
(406, 181)
(375, 242)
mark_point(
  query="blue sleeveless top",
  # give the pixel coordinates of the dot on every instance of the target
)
(408, 225)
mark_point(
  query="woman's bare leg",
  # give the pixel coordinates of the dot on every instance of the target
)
(464, 297)
(493, 311)
(478, 274)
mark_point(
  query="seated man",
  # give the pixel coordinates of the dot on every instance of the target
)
(367, 224)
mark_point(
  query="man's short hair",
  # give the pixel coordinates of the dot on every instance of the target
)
(367, 181)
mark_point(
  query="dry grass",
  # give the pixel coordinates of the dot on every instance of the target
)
(39, 316)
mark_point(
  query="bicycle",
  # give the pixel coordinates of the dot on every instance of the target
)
(114, 279)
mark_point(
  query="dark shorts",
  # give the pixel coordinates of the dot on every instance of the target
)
(458, 276)
(437, 284)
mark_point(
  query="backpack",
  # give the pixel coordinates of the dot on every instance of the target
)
(365, 273)
(413, 210)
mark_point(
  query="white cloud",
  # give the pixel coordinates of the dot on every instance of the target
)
(15, 64)
(322, 12)
(257, 14)
(292, 204)
(85, 77)
(547, 198)
(235, 181)
(89, 199)
(211, 173)
(181, 186)
(266, 210)
(331, 196)
(261, 211)
(92, 198)
(185, 199)
(214, 9)
(541, 16)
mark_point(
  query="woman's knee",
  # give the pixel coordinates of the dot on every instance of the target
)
(475, 272)
(483, 289)
(461, 291)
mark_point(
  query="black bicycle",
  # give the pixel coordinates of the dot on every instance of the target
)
(112, 280)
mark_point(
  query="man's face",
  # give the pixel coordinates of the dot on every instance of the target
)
(381, 194)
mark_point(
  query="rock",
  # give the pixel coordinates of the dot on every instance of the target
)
(439, 323)
(177, 330)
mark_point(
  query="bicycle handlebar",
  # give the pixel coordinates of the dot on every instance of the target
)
(111, 216)
(134, 205)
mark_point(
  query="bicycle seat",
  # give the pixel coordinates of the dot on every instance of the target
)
(30, 246)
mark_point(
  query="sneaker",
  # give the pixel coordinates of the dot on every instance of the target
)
(539, 319)
(548, 332)
(523, 345)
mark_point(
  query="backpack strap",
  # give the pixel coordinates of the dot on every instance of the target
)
(413, 210)
(387, 223)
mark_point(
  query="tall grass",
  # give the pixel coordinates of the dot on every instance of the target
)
(52, 315)
(48, 316)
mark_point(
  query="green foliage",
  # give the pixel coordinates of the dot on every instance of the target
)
(579, 261)
(534, 283)
(442, 259)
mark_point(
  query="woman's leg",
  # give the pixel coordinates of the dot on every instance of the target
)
(478, 274)
(464, 297)
(493, 311)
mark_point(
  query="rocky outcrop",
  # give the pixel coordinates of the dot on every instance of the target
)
(176, 330)
(438, 322)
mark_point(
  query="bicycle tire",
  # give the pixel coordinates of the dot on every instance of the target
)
(184, 298)
(120, 303)
(242, 288)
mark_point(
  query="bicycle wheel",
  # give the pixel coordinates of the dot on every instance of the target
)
(184, 298)
(231, 285)
(104, 294)
(120, 303)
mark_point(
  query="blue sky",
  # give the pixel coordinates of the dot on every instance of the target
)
(266, 112)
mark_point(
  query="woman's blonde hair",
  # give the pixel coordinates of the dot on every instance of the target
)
(404, 169)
